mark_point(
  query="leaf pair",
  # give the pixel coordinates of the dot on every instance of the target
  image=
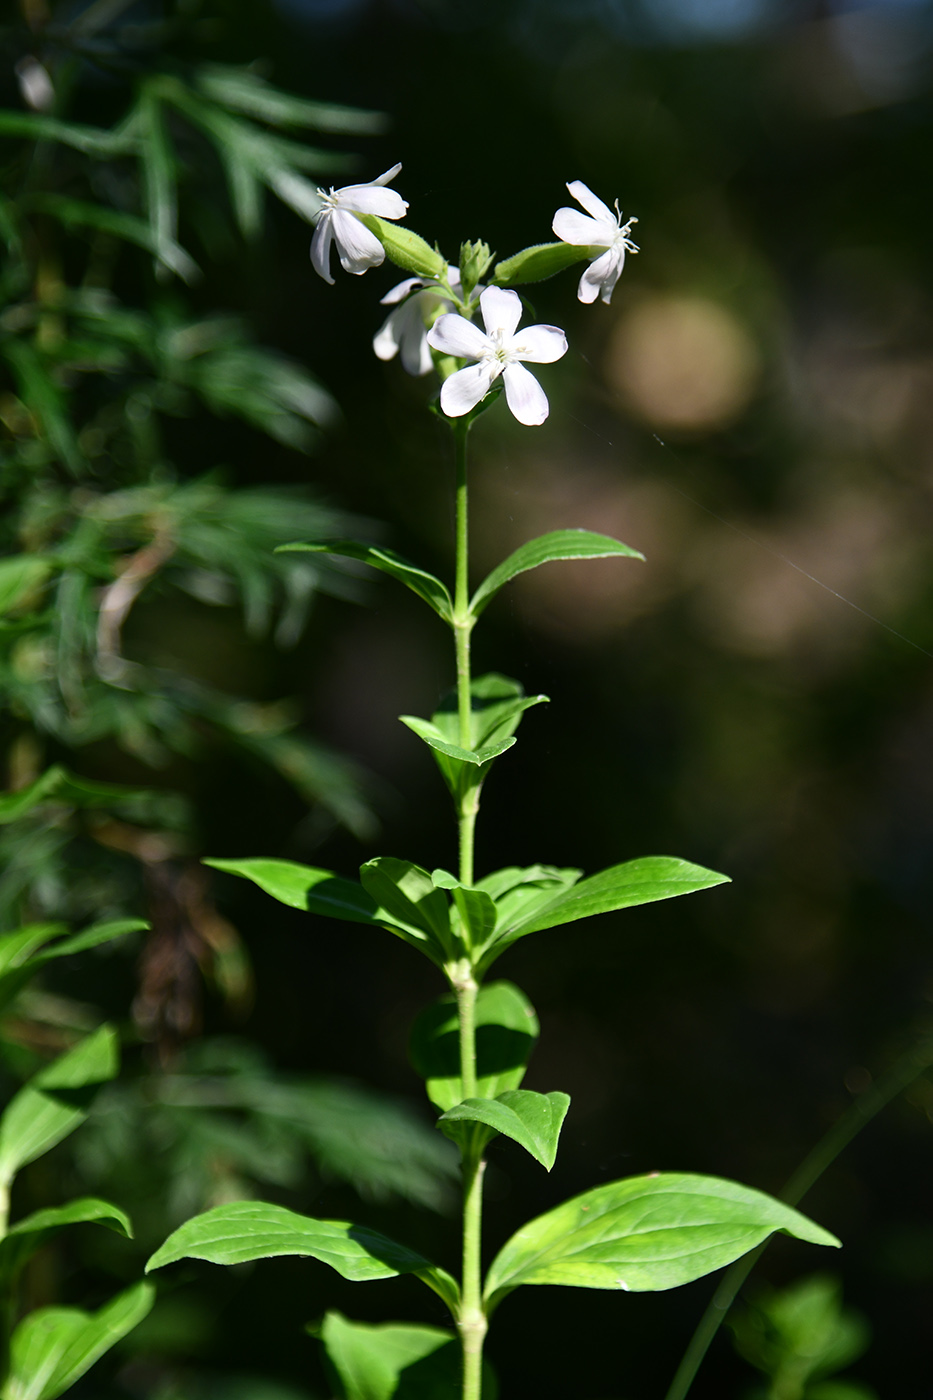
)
(556, 545)
(53, 1347)
(20, 957)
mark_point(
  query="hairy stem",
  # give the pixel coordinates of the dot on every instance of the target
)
(859, 1114)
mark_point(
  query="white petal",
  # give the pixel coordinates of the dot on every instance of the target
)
(463, 390)
(524, 396)
(574, 227)
(501, 310)
(387, 176)
(412, 334)
(372, 199)
(455, 335)
(591, 203)
(539, 344)
(320, 247)
(602, 275)
(386, 341)
(358, 248)
(401, 291)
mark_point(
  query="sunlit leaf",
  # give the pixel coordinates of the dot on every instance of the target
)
(305, 887)
(475, 909)
(427, 587)
(433, 737)
(532, 1120)
(372, 1362)
(53, 1347)
(26, 1236)
(645, 1233)
(20, 576)
(557, 544)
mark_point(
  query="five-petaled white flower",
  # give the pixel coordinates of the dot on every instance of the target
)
(602, 229)
(406, 329)
(497, 352)
(357, 247)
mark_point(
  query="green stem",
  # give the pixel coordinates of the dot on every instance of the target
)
(471, 1323)
(859, 1114)
(463, 626)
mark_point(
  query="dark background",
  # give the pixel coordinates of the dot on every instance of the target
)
(753, 412)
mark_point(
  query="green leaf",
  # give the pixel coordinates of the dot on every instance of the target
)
(158, 162)
(245, 1230)
(54, 1347)
(412, 903)
(371, 1362)
(20, 575)
(433, 737)
(405, 247)
(532, 1120)
(519, 891)
(506, 1031)
(27, 1235)
(56, 783)
(15, 948)
(55, 1101)
(76, 213)
(427, 587)
(640, 881)
(18, 960)
(242, 90)
(92, 140)
(475, 909)
(645, 1233)
(305, 887)
(557, 544)
(45, 398)
(540, 261)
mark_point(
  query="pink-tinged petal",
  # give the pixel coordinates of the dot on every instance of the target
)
(320, 247)
(539, 344)
(455, 335)
(371, 199)
(591, 202)
(574, 227)
(463, 390)
(400, 292)
(358, 248)
(386, 340)
(600, 277)
(501, 310)
(524, 396)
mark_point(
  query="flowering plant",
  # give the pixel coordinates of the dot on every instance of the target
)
(642, 1233)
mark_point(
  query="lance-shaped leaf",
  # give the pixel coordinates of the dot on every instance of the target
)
(475, 909)
(642, 881)
(82, 214)
(645, 1233)
(25, 1237)
(557, 544)
(305, 887)
(411, 900)
(391, 1359)
(55, 1101)
(246, 1230)
(19, 960)
(540, 261)
(433, 737)
(506, 1031)
(518, 891)
(532, 1120)
(53, 1347)
(427, 587)
(58, 784)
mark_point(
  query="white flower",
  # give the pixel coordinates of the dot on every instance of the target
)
(357, 247)
(406, 327)
(497, 352)
(602, 230)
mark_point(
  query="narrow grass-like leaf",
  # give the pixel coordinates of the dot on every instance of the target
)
(557, 544)
(532, 1120)
(81, 214)
(19, 960)
(55, 1101)
(381, 1362)
(540, 261)
(506, 1031)
(242, 90)
(427, 587)
(92, 140)
(15, 948)
(53, 1347)
(636, 882)
(645, 1233)
(57, 783)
